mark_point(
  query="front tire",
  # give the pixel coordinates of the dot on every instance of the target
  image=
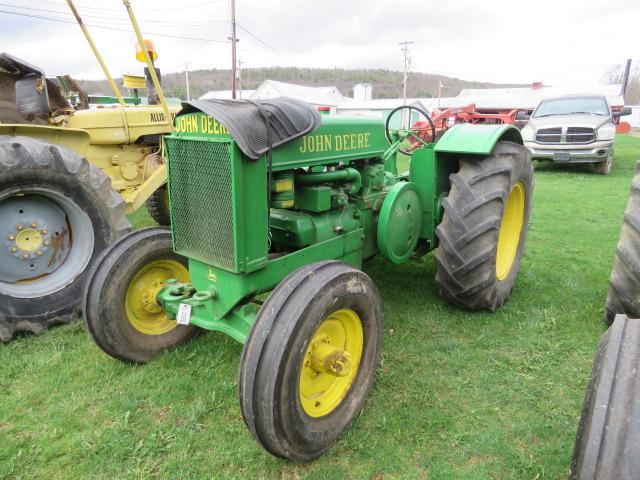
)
(484, 227)
(625, 276)
(604, 167)
(120, 308)
(158, 206)
(58, 212)
(310, 359)
(607, 444)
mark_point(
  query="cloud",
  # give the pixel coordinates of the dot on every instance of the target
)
(493, 40)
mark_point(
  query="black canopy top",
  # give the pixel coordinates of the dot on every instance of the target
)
(245, 120)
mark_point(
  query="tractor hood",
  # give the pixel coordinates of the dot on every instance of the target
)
(246, 123)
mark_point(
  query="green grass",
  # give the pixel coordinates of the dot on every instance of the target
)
(458, 395)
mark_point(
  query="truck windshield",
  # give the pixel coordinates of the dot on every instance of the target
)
(572, 106)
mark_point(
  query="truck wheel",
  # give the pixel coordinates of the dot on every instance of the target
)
(310, 359)
(625, 277)
(604, 167)
(120, 308)
(158, 206)
(607, 445)
(484, 227)
(58, 212)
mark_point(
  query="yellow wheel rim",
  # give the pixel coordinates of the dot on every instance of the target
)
(510, 230)
(143, 312)
(331, 362)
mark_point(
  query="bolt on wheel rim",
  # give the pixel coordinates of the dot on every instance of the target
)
(510, 231)
(331, 363)
(143, 311)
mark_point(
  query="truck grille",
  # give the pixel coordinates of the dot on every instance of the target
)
(580, 135)
(549, 135)
(200, 185)
(569, 135)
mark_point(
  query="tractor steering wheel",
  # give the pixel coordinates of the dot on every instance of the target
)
(417, 133)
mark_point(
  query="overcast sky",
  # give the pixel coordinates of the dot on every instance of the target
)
(557, 42)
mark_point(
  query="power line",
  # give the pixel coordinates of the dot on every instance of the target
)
(60, 20)
(88, 7)
(121, 19)
(256, 38)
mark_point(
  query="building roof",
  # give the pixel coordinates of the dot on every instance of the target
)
(226, 94)
(314, 95)
(525, 98)
(528, 97)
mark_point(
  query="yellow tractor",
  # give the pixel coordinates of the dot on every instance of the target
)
(67, 179)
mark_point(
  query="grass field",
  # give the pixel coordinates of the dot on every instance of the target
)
(458, 395)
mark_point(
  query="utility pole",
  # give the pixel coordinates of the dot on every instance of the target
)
(625, 78)
(439, 93)
(186, 78)
(407, 63)
(240, 62)
(234, 40)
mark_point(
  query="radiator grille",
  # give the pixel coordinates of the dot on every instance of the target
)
(201, 200)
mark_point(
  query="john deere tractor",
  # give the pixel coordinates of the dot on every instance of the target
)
(274, 209)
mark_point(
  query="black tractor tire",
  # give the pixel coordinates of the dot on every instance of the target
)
(604, 167)
(608, 439)
(466, 257)
(104, 303)
(272, 359)
(158, 206)
(624, 285)
(57, 176)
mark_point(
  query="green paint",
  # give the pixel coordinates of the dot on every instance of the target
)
(466, 138)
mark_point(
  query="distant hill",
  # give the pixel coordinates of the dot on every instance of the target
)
(386, 83)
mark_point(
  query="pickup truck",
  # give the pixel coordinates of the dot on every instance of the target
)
(573, 129)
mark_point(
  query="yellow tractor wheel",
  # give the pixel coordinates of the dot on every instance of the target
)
(484, 227)
(120, 308)
(310, 359)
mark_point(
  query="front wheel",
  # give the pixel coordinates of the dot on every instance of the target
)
(310, 359)
(158, 206)
(484, 227)
(604, 167)
(120, 307)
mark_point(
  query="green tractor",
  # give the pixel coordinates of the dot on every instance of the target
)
(273, 211)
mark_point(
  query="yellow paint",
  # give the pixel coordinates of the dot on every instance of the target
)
(510, 231)
(29, 239)
(143, 312)
(283, 185)
(331, 363)
(134, 81)
(326, 143)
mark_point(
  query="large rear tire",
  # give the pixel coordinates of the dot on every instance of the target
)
(624, 286)
(158, 206)
(58, 212)
(608, 439)
(120, 308)
(310, 359)
(483, 231)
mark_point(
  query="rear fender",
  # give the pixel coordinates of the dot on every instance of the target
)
(466, 138)
(76, 140)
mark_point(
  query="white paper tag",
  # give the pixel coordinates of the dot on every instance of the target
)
(184, 314)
